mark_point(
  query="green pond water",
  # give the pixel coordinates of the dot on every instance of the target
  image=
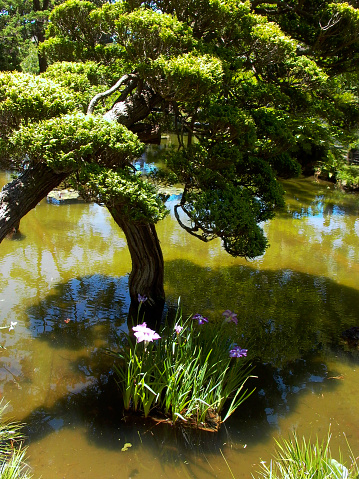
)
(71, 262)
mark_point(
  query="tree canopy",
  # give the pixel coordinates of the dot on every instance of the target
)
(251, 88)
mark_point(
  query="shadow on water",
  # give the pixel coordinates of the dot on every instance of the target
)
(98, 410)
(80, 311)
(16, 236)
(291, 323)
(282, 314)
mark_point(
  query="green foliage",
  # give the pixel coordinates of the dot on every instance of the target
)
(305, 74)
(84, 80)
(147, 35)
(342, 170)
(270, 44)
(286, 166)
(228, 122)
(69, 141)
(137, 198)
(30, 61)
(187, 375)
(186, 78)
(211, 20)
(76, 33)
(227, 195)
(12, 454)
(328, 31)
(301, 459)
(25, 97)
(15, 36)
(348, 176)
(256, 88)
(60, 49)
(70, 20)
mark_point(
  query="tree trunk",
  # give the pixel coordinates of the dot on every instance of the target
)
(146, 278)
(39, 33)
(23, 194)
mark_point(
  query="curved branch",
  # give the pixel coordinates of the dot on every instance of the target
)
(189, 230)
(24, 193)
(108, 92)
(126, 91)
(135, 108)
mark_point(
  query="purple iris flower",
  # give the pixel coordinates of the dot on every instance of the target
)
(238, 352)
(201, 319)
(230, 317)
(141, 299)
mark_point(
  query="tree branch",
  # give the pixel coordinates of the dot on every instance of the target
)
(23, 194)
(108, 92)
(135, 108)
(191, 231)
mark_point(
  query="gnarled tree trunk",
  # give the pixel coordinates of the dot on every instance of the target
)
(23, 194)
(147, 273)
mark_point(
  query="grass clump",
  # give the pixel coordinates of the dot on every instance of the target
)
(188, 372)
(299, 459)
(12, 453)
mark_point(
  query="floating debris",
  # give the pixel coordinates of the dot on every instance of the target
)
(58, 197)
(126, 446)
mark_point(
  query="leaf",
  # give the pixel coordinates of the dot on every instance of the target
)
(126, 446)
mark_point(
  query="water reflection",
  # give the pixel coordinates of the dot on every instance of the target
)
(65, 283)
(327, 201)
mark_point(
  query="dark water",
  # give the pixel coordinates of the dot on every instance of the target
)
(71, 263)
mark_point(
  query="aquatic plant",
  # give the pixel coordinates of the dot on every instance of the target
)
(187, 373)
(141, 298)
(302, 459)
(201, 319)
(12, 453)
(143, 333)
(237, 352)
(230, 316)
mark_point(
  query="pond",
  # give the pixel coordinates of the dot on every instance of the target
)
(64, 281)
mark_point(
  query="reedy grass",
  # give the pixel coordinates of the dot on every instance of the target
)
(299, 459)
(187, 375)
(12, 454)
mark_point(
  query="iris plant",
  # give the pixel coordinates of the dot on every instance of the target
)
(189, 375)
(141, 299)
(201, 319)
(143, 333)
(238, 352)
(230, 317)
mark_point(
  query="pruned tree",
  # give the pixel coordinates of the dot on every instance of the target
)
(245, 95)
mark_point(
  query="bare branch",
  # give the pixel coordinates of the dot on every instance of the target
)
(127, 90)
(331, 23)
(135, 108)
(189, 230)
(108, 92)
(206, 235)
